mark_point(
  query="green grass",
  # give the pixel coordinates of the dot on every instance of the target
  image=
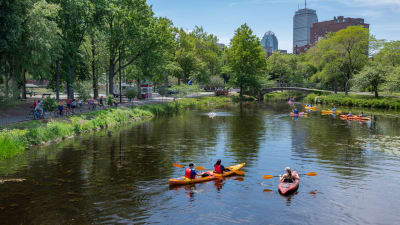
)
(364, 101)
(16, 138)
(283, 96)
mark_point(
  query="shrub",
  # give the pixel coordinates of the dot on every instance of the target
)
(132, 93)
(49, 104)
(110, 100)
(83, 89)
(282, 96)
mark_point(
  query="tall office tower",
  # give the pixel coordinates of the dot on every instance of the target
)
(270, 43)
(302, 23)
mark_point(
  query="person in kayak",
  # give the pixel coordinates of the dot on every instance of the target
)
(350, 114)
(296, 111)
(218, 168)
(288, 176)
(334, 109)
(190, 173)
(361, 115)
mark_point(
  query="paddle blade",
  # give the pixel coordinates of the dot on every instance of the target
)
(268, 177)
(200, 168)
(177, 165)
(311, 174)
(240, 173)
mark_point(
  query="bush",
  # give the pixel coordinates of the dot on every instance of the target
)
(132, 93)
(110, 100)
(221, 92)
(84, 90)
(245, 98)
(216, 83)
(50, 104)
(283, 96)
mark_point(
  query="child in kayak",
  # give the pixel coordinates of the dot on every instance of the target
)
(334, 109)
(191, 173)
(361, 115)
(218, 168)
(288, 176)
(350, 114)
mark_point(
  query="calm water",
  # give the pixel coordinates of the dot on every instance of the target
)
(120, 176)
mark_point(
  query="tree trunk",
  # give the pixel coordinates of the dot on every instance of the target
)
(335, 85)
(120, 76)
(24, 84)
(112, 66)
(139, 89)
(241, 92)
(185, 78)
(376, 92)
(58, 80)
(111, 76)
(94, 76)
(179, 81)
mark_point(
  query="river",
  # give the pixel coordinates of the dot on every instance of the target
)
(120, 176)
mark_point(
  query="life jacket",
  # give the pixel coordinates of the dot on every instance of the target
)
(217, 168)
(188, 173)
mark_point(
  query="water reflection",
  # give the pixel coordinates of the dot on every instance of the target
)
(121, 175)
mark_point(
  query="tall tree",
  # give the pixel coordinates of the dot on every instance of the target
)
(342, 54)
(246, 58)
(390, 54)
(372, 76)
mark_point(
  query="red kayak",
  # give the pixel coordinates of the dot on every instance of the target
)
(287, 188)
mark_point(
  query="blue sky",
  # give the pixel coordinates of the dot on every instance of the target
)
(222, 17)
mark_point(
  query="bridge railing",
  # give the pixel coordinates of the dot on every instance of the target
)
(294, 85)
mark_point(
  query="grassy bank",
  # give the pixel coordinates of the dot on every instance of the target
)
(355, 101)
(283, 96)
(17, 138)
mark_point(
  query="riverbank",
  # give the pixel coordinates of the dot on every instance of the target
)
(14, 141)
(362, 101)
(351, 100)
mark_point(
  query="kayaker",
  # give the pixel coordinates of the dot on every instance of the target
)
(190, 173)
(361, 114)
(288, 176)
(334, 109)
(218, 168)
(296, 111)
(350, 114)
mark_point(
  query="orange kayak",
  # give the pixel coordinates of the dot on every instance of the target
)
(212, 176)
(354, 118)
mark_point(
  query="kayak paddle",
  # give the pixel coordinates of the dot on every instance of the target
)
(306, 174)
(182, 166)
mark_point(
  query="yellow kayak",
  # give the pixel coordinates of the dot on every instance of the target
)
(311, 108)
(183, 180)
(331, 112)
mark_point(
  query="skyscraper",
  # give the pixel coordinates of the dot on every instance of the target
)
(270, 43)
(302, 23)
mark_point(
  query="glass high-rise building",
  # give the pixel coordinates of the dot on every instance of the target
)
(302, 23)
(269, 42)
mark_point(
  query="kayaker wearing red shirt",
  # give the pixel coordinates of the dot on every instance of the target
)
(218, 168)
(289, 176)
(190, 173)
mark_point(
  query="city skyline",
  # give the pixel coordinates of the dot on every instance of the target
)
(223, 17)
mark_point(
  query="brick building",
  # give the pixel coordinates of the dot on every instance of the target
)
(320, 29)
